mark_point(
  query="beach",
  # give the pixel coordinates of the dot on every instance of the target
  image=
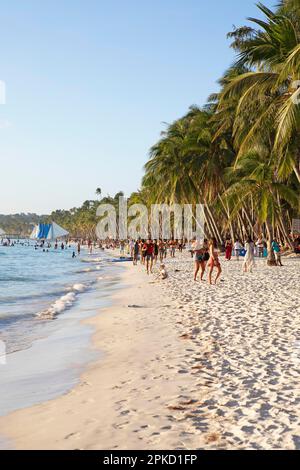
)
(183, 366)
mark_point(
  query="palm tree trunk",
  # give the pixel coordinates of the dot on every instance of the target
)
(282, 225)
(218, 235)
(284, 232)
(227, 211)
(271, 256)
(250, 222)
(243, 228)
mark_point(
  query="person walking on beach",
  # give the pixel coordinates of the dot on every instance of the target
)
(161, 250)
(155, 251)
(197, 250)
(78, 248)
(149, 256)
(249, 257)
(260, 247)
(136, 251)
(277, 252)
(204, 258)
(166, 247)
(131, 248)
(214, 261)
(144, 248)
(228, 252)
(122, 248)
(172, 248)
(237, 249)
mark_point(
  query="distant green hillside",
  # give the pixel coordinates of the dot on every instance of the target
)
(19, 224)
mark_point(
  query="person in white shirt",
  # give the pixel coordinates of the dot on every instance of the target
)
(249, 258)
(260, 248)
(237, 249)
(131, 248)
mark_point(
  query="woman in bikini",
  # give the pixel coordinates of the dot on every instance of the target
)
(214, 261)
(205, 258)
(144, 248)
(197, 250)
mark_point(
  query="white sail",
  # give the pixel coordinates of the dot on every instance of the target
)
(49, 232)
(57, 232)
(34, 233)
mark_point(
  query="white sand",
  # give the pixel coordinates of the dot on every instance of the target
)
(190, 366)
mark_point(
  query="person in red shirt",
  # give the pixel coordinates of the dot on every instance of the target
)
(149, 256)
(144, 248)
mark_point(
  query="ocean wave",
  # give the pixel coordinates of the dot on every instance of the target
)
(91, 260)
(25, 298)
(17, 279)
(63, 303)
(88, 270)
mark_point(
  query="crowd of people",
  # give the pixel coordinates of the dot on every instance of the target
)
(205, 254)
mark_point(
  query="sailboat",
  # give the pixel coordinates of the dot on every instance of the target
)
(49, 232)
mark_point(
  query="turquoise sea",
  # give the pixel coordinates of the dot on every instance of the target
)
(44, 296)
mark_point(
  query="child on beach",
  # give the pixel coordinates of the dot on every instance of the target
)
(163, 272)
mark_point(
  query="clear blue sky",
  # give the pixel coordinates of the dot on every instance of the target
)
(89, 85)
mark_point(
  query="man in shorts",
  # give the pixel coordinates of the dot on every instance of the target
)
(149, 256)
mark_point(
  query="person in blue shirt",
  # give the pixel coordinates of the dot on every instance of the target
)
(277, 252)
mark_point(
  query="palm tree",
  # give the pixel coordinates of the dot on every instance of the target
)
(254, 178)
(267, 93)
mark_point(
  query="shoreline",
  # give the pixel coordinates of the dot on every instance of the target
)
(52, 354)
(93, 414)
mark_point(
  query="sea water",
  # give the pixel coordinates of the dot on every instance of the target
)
(44, 296)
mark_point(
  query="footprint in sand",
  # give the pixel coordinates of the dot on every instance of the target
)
(72, 434)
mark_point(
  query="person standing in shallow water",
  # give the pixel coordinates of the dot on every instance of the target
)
(214, 261)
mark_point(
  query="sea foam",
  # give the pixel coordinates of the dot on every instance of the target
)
(63, 303)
